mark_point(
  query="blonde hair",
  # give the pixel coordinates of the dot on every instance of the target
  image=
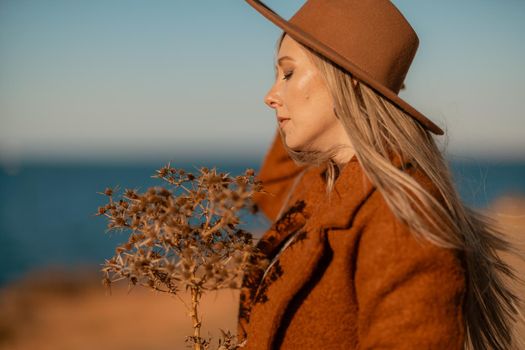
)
(377, 127)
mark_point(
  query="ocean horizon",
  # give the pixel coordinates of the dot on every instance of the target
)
(47, 208)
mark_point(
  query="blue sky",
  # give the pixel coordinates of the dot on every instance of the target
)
(130, 79)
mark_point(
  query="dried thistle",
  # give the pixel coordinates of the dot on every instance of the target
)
(185, 237)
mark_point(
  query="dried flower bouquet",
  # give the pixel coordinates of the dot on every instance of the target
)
(185, 236)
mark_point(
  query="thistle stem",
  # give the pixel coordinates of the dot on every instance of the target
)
(195, 296)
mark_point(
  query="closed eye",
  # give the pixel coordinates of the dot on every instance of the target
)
(287, 75)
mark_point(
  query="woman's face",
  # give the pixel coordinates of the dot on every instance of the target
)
(302, 102)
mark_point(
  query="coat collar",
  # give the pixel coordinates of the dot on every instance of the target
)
(351, 188)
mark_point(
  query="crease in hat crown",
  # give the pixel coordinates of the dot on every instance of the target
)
(369, 38)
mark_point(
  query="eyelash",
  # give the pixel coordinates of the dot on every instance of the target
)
(287, 75)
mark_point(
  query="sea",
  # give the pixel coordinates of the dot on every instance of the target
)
(47, 209)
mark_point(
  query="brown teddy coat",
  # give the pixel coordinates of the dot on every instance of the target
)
(353, 276)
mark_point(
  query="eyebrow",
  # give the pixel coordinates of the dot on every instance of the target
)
(284, 58)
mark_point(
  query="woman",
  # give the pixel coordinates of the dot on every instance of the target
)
(371, 246)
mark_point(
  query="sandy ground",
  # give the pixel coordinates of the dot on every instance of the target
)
(60, 311)
(73, 312)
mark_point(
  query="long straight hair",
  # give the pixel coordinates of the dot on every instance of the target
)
(377, 127)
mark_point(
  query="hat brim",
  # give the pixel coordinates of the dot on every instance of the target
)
(308, 40)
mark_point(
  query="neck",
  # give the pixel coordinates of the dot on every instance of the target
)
(344, 156)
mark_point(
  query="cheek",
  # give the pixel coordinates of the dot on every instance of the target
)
(306, 88)
(313, 106)
(299, 96)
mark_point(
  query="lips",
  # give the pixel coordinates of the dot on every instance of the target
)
(282, 121)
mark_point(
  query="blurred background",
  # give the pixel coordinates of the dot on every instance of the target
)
(98, 93)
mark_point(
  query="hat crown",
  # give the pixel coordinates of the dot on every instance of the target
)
(372, 34)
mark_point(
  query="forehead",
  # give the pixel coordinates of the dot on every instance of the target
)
(291, 50)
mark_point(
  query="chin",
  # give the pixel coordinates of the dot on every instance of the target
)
(294, 143)
(290, 143)
(296, 146)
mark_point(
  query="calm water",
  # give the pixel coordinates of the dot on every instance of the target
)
(46, 210)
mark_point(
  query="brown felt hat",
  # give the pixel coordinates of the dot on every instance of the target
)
(369, 38)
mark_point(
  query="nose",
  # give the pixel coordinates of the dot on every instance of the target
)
(272, 98)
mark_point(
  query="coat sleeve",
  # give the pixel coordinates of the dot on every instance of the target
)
(409, 292)
(277, 174)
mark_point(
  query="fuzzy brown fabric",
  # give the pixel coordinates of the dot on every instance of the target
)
(354, 277)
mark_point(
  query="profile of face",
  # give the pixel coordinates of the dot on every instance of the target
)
(302, 102)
